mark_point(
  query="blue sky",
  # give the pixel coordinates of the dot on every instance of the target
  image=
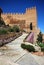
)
(20, 6)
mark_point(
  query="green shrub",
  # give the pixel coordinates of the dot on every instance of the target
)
(30, 48)
(23, 46)
(3, 31)
(16, 28)
(41, 44)
(40, 38)
(11, 30)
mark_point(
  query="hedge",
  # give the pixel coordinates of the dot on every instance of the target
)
(30, 48)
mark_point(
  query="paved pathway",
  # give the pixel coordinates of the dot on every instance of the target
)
(39, 59)
(27, 59)
(13, 54)
(31, 59)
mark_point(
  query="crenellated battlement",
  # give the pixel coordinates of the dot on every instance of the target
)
(12, 13)
(27, 11)
(30, 10)
(23, 20)
(30, 16)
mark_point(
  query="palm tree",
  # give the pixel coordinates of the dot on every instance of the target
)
(0, 12)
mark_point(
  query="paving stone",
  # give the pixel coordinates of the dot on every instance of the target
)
(27, 59)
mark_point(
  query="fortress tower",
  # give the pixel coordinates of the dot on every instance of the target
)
(23, 20)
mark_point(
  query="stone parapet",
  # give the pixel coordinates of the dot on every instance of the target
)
(30, 16)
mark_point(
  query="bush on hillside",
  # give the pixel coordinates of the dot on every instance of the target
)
(16, 28)
(11, 29)
(42, 46)
(40, 39)
(23, 46)
(3, 31)
(30, 48)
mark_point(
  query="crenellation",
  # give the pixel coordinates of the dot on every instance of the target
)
(30, 16)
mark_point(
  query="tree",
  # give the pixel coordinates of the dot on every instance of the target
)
(1, 20)
(2, 23)
(0, 12)
(30, 26)
(39, 39)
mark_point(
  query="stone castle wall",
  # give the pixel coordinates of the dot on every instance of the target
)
(30, 16)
